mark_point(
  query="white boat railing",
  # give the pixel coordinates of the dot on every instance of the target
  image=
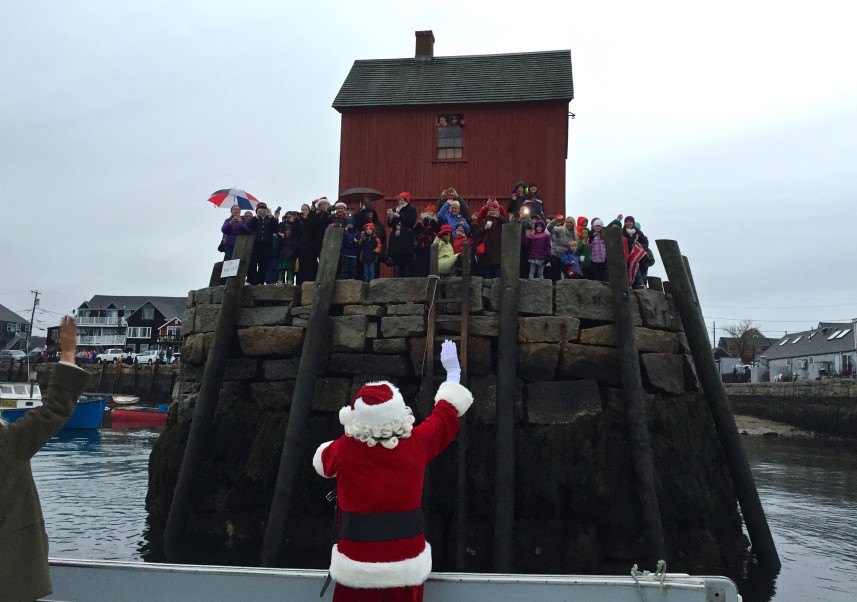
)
(94, 581)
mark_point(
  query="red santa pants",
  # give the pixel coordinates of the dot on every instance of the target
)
(411, 593)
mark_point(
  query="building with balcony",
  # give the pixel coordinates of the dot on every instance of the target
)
(134, 323)
(13, 330)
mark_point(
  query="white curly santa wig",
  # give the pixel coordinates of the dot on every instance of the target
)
(378, 414)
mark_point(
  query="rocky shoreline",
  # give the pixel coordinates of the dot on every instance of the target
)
(755, 427)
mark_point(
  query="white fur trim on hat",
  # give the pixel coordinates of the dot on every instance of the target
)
(340, 204)
(370, 575)
(316, 460)
(458, 396)
(378, 414)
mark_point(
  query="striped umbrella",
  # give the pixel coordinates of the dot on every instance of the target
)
(233, 196)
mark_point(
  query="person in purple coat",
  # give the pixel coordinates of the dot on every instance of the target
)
(538, 244)
(233, 226)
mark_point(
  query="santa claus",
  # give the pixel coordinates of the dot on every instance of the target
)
(379, 464)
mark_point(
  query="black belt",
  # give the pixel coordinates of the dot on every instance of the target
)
(380, 527)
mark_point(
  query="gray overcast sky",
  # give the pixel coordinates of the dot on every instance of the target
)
(729, 127)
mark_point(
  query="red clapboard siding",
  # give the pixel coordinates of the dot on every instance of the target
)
(393, 150)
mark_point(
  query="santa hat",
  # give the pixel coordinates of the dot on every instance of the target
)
(340, 204)
(321, 200)
(374, 404)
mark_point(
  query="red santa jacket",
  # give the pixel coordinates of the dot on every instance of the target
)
(376, 481)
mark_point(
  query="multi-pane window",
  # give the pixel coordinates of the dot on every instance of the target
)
(450, 136)
(148, 313)
(174, 331)
(139, 332)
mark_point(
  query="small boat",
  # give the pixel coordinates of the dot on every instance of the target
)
(129, 417)
(125, 400)
(96, 580)
(16, 399)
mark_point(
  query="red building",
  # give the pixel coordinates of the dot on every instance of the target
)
(476, 123)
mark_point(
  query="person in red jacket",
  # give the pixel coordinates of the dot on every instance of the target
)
(379, 464)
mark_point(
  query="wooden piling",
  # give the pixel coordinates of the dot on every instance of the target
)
(101, 374)
(461, 472)
(215, 279)
(655, 283)
(316, 347)
(202, 424)
(507, 372)
(654, 548)
(724, 421)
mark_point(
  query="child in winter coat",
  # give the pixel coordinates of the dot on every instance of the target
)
(571, 261)
(369, 249)
(459, 239)
(348, 252)
(287, 253)
(538, 245)
(446, 255)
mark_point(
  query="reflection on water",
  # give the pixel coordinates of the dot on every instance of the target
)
(92, 485)
(93, 489)
(809, 491)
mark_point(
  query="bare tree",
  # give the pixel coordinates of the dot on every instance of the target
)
(743, 333)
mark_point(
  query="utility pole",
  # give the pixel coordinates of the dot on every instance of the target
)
(713, 334)
(32, 317)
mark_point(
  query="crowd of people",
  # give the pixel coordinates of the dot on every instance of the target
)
(286, 248)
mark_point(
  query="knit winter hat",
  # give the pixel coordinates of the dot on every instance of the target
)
(370, 226)
(540, 223)
(429, 208)
(597, 222)
(492, 202)
(629, 218)
(446, 228)
(406, 196)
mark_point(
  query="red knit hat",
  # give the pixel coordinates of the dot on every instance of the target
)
(406, 196)
(375, 404)
(428, 208)
(369, 225)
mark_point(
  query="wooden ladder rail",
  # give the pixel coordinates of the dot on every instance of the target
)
(436, 285)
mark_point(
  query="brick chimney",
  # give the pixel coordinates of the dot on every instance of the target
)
(425, 44)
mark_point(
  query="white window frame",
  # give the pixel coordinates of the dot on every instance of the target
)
(136, 332)
(148, 313)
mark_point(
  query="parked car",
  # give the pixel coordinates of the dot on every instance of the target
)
(152, 356)
(113, 355)
(14, 355)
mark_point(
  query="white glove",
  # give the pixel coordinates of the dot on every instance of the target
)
(449, 359)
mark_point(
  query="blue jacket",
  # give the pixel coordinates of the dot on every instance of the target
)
(350, 243)
(445, 217)
(572, 260)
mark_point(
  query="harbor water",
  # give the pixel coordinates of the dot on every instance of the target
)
(93, 490)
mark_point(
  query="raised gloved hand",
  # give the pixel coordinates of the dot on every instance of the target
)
(449, 359)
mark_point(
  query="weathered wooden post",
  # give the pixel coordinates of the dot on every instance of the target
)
(461, 473)
(632, 383)
(655, 283)
(215, 279)
(315, 346)
(724, 421)
(202, 424)
(507, 372)
(101, 374)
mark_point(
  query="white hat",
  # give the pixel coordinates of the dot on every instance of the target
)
(378, 411)
(340, 204)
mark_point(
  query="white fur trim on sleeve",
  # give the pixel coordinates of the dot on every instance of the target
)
(370, 575)
(456, 395)
(316, 460)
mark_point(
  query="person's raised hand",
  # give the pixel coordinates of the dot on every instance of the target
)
(449, 360)
(68, 339)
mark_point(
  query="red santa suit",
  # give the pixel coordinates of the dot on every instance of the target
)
(379, 466)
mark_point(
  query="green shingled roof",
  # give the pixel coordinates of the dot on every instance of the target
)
(491, 78)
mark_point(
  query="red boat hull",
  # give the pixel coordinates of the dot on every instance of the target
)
(124, 418)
